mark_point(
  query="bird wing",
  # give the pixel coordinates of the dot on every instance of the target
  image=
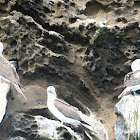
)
(8, 71)
(62, 101)
(132, 79)
(19, 90)
(67, 110)
(125, 92)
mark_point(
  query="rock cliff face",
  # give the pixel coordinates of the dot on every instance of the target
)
(84, 48)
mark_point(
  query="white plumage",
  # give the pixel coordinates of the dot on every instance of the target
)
(64, 111)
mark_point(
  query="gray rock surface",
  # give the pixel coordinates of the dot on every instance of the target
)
(24, 126)
(127, 124)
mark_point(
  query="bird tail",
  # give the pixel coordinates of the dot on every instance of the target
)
(126, 91)
(21, 86)
(88, 135)
(19, 90)
(118, 87)
(85, 121)
(89, 127)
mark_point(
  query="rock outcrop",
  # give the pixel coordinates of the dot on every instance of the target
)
(40, 128)
(127, 126)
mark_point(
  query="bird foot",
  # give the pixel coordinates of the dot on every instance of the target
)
(134, 92)
(61, 124)
(0, 79)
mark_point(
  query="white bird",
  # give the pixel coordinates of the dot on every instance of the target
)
(64, 111)
(8, 72)
(131, 80)
(135, 66)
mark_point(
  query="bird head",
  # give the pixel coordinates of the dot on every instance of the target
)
(1, 48)
(51, 91)
(135, 65)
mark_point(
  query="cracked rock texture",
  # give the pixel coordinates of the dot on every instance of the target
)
(41, 128)
(84, 48)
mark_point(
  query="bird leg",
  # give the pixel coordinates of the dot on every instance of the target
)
(1, 79)
(134, 92)
(61, 123)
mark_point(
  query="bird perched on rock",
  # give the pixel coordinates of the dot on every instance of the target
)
(8, 72)
(131, 80)
(64, 111)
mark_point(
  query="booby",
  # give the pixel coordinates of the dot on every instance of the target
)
(8, 72)
(131, 80)
(64, 111)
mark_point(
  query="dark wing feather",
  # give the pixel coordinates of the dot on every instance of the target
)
(8, 71)
(68, 111)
